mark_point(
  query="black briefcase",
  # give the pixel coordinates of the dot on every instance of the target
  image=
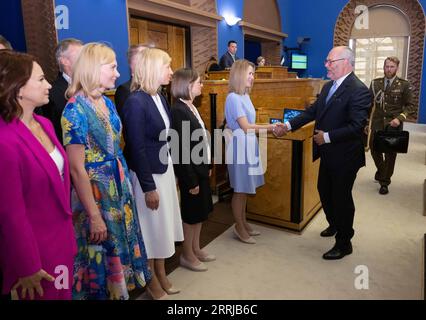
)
(391, 141)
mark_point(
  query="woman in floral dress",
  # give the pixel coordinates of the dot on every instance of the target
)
(111, 259)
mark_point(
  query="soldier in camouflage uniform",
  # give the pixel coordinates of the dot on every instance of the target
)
(394, 102)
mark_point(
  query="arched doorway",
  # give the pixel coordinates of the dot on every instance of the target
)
(415, 15)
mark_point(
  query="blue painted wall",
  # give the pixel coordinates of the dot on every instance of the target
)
(100, 20)
(320, 29)
(225, 32)
(11, 24)
(294, 16)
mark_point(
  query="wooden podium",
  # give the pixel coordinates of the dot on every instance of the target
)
(289, 197)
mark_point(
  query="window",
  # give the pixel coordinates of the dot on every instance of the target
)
(387, 34)
(370, 55)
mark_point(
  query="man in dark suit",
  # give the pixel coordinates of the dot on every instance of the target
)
(230, 56)
(66, 53)
(123, 90)
(340, 114)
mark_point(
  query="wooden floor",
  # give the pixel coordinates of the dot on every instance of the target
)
(219, 220)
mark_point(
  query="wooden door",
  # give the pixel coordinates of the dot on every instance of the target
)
(163, 36)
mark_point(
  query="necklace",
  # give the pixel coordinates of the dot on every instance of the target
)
(36, 130)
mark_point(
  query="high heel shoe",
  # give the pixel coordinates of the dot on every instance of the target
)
(249, 240)
(186, 264)
(254, 233)
(165, 296)
(207, 258)
(172, 290)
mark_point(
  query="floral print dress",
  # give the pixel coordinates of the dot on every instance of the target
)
(111, 269)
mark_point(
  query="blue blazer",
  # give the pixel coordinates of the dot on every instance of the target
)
(344, 118)
(142, 125)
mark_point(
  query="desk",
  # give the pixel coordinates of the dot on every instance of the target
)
(289, 197)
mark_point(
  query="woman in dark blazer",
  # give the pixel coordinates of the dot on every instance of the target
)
(146, 121)
(192, 166)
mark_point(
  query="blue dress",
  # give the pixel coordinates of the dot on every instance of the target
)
(118, 264)
(244, 165)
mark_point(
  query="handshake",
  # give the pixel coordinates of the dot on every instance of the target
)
(279, 129)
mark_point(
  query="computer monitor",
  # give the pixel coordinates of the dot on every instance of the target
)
(289, 114)
(299, 61)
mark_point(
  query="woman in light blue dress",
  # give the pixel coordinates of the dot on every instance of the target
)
(244, 165)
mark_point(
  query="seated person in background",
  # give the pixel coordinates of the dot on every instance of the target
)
(212, 65)
(260, 61)
(123, 90)
(66, 53)
(4, 44)
(230, 56)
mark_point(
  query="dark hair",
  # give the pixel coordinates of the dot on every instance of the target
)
(4, 42)
(15, 70)
(182, 79)
(231, 41)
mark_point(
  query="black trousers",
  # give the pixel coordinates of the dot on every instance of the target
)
(335, 190)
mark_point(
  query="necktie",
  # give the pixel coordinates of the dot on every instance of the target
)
(331, 92)
(387, 84)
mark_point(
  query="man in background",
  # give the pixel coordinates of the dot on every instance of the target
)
(230, 56)
(67, 52)
(393, 98)
(123, 90)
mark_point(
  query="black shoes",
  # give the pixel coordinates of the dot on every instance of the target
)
(329, 232)
(337, 252)
(384, 190)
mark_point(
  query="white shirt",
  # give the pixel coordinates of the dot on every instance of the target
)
(66, 77)
(338, 83)
(59, 161)
(162, 111)
(164, 115)
(201, 122)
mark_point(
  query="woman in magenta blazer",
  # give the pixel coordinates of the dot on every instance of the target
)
(37, 242)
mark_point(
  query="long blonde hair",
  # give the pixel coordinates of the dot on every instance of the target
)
(87, 69)
(238, 76)
(147, 75)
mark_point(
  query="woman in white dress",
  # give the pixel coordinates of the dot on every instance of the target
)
(146, 119)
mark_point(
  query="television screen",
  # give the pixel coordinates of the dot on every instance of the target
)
(290, 114)
(299, 61)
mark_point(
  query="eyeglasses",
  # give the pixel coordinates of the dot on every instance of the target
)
(328, 61)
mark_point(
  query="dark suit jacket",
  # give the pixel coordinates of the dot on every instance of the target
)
(121, 95)
(188, 173)
(142, 124)
(57, 101)
(344, 118)
(226, 60)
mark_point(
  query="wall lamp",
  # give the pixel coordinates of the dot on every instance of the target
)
(231, 20)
